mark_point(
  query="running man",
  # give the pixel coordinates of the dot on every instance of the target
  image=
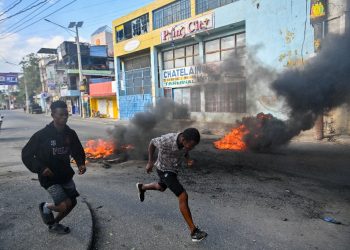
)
(48, 154)
(171, 150)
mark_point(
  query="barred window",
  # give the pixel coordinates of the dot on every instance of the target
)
(171, 13)
(132, 28)
(205, 5)
(181, 57)
(195, 99)
(225, 97)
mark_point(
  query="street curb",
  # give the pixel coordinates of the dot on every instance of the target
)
(93, 225)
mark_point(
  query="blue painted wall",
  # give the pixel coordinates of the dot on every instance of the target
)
(131, 104)
(279, 28)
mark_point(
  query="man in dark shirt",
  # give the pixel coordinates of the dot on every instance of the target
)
(172, 148)
(48, 154)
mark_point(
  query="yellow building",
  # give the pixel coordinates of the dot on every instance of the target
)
(160, 50)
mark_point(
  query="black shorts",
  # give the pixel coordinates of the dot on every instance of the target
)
(169, 180)
(61, 192)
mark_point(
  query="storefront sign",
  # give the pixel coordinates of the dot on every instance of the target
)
(132, 45)
(180, 77)
(317, 10)
(187, 28)
(8, 78)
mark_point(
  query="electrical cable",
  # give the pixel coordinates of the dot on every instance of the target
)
(14, 26)
(10, 8)
(23, 10)
(40, 19)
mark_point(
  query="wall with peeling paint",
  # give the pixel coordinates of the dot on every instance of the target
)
(280, 29)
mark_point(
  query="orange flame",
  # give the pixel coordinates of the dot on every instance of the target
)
(233, 140)
(95, 149)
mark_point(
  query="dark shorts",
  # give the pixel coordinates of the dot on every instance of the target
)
(61, 192)
(169, 180)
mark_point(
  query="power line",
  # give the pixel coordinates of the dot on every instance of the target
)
(14, 26)
(40, 19)
(23, 10)
(6, 61)
(10, 8)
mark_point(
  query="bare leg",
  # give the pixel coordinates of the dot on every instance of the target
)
(185, 210)
(63, 209)
(152, 186)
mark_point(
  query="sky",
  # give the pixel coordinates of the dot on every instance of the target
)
(27, 32)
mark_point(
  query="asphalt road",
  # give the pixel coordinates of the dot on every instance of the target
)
(243, 201)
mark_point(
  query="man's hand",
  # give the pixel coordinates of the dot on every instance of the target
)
(82, 169)
(47, 172)
(149, 167)
(190, 163)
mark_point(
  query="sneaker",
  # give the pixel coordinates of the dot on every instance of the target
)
(48, 219)
(59, 229)
(198, 235)
(141, 192)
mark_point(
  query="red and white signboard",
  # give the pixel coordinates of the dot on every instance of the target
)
(190, 27)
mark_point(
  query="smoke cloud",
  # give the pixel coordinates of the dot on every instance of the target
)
(146, 125)
(320, 85)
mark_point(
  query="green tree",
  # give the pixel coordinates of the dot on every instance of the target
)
(31, 75)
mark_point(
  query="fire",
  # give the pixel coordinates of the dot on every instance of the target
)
(95, 149)
(234, 139)
(253, 133)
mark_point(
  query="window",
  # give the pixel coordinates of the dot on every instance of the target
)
(205, 5)
(225, 97)
(136, 79)
(132, 28)
(195, 99)
(222, 48)
(171, 13)
(181, 57)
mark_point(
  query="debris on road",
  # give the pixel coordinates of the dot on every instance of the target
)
(331, 220)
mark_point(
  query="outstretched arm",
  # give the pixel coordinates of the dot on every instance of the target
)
(78, 153)
(150, 164)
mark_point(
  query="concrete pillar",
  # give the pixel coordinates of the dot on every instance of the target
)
(156, 91)
(117, 71)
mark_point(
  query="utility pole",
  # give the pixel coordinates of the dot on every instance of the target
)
(26, 94)
(78, 25)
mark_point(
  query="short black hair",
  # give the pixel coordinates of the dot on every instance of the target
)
(58, 104)
(191, 134)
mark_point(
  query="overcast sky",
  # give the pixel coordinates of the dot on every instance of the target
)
(17, 40)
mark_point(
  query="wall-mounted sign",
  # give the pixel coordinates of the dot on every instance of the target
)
(190, 27)
(132, 45)
(317, 10)
(8, 78)
(180, 77)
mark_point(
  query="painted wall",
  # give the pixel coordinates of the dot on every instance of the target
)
(281, 28)
(131, 104)
(278, 33)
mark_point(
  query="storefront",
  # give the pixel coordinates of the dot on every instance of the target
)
(103, 102)
(197, 54)
(71, 97)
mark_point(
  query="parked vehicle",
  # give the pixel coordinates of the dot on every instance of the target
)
(35, 108)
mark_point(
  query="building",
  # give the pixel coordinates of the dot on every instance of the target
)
(180, 49)
(102, 89)
(331, 17)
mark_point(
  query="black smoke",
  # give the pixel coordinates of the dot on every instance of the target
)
(146, 125)
(310, 90)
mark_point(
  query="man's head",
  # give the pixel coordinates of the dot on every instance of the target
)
(190, 137)
(59, 113)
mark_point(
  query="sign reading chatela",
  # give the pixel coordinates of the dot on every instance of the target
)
(189, 27)
(180, 77)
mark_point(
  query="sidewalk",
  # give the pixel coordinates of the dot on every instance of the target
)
(21, 226)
